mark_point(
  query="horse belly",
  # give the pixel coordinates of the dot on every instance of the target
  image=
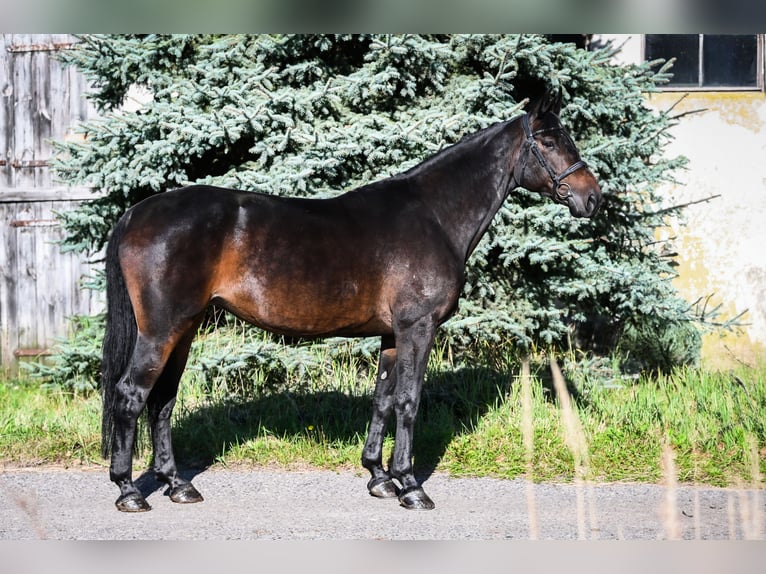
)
(308, 309)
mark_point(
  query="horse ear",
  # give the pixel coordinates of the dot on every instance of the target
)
(533, 107)
(550, 101)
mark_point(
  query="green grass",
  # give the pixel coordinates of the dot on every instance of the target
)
(469, 423)
(41, 427)
(713, 421)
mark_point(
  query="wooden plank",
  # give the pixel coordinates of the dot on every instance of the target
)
(44, 47)
(9, 334)
(29, 164)
(62, 193)
(62, 123)
(26, 279)
(43, 126)
(81, 109)
(32, 353)
(47, 318)
(7, 286)
(34, 223)
(6, 111)
(23, 124)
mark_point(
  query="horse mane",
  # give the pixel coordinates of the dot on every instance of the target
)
(465, 145)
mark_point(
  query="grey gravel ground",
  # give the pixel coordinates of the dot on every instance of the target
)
(263, 504)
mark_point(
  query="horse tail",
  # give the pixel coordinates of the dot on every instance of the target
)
(120, 336)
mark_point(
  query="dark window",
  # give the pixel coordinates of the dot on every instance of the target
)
(730, 60)
(707, 60)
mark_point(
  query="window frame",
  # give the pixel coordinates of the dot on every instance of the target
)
(760, 71)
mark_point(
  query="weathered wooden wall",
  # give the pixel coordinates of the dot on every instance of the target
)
(40, 101)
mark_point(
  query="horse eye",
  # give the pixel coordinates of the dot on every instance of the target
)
(549, 144)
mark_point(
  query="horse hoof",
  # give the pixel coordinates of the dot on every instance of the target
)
(382, 488)
(415, 498)
(132, 502)
(185, 494)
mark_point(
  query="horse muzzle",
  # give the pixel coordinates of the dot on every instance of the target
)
(585, 203)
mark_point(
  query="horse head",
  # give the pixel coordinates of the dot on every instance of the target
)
(549, 162)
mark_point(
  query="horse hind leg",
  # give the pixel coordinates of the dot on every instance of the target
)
(380, 484)
(131, 395)
(159, 406)
(147, 364)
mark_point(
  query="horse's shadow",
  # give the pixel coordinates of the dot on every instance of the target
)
(453, 402)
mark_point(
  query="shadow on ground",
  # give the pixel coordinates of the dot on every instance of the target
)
(452, 402)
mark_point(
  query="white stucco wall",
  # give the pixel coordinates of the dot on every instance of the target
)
(721, 243)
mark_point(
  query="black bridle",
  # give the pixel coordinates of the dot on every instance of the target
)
(562, 190)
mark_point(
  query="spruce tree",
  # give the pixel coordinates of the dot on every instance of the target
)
(316, 115)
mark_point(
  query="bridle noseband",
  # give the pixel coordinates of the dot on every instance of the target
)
(562, 190)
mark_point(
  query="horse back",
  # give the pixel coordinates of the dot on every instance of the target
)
(302, 267)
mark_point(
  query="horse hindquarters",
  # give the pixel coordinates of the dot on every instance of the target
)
(120, 413)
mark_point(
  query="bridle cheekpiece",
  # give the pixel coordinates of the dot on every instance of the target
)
(562, 190)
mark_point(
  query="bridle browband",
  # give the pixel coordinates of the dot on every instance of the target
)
(562, 190)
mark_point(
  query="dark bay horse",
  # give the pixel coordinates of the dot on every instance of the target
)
(385, 260)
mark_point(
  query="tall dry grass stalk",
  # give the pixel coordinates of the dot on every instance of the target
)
(697, 512)
(574, 437)
(669, 508)
(731, 513)
(528, 436)
(751, 511)
(744, 509)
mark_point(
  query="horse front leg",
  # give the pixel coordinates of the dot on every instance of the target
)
(413, 348)
(381, 485)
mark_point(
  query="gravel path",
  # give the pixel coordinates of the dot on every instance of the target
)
(307, 505)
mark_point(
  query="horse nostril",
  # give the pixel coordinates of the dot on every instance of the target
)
(592, 203)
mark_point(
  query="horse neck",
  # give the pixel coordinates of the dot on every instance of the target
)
(466, 184)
